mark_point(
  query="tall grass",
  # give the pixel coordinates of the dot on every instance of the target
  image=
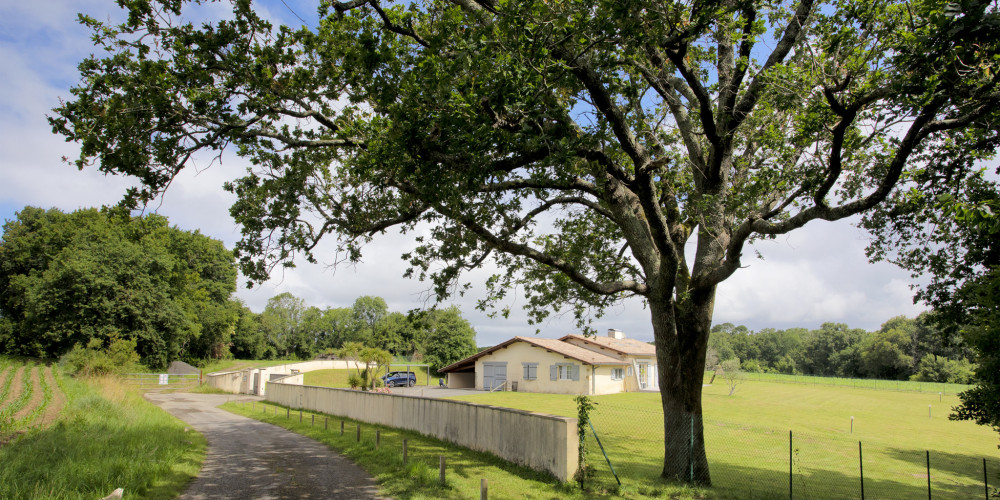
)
(107, 437)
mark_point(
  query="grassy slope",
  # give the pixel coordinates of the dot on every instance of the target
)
(747, 439)
(106, 437)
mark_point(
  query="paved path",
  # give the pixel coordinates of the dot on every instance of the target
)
(248, 459)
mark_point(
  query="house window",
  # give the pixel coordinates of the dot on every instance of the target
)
(530, 371)
(617, 373)
(564, 371)
(629, 370)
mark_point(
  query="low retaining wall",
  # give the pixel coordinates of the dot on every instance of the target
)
(254, 380)
(541, 442)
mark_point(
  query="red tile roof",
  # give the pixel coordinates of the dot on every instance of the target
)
(557, 346)
(624, 346)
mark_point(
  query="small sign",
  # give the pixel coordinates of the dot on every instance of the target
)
(164, 379)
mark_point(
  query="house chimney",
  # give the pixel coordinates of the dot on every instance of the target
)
(616, 334)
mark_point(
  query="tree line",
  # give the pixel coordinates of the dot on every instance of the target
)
(288, 327)
(902, 349)
(93, 276)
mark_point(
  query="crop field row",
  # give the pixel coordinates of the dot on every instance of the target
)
(30, 396)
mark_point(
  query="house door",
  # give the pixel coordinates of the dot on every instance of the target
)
(256, 383)
(494, 374)
(643, 376)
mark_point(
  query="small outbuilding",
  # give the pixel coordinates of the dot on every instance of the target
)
(573, 364)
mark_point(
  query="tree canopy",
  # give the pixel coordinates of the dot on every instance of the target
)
(578, 146)
(68, 279)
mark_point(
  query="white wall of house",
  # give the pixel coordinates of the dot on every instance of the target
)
(589, 380)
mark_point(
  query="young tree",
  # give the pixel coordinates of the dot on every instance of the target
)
(449, 336)
(580, 147)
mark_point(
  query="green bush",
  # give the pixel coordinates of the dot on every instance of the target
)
(354, 380)
(119, 357)
(940, 369)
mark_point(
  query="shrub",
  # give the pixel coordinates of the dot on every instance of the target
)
(119, 357)
(354, 380)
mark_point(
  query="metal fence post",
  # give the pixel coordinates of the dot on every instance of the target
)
(986, 482)
(404, 451)
(691, 452)
(928, 474)
(789, 464)
(861, 468)
(442, 469)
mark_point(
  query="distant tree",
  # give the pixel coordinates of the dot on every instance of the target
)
(68, 278)
(368, 312)
(342, 326)
(281, 323)
(450, 337)
(249, 339)
(831, 350)
(940, 369)
(394, 334)
(732, 373)
(884, 354)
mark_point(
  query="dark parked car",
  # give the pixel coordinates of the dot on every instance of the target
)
(395, 379)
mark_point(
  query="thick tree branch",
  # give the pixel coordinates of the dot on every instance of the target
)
(793, 31)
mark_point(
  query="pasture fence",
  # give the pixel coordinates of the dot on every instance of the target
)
(943, 388)
(749, 462)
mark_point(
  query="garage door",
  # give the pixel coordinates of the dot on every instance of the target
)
(494, 374)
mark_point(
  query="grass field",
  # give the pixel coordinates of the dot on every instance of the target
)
(747, 439)
(856, 383)
(82, 439)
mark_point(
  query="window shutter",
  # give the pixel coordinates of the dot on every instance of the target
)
(576, 371)
(553, 372)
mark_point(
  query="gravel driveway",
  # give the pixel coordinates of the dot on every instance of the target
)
(248, 459)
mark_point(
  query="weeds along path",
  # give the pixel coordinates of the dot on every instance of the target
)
(56, 402)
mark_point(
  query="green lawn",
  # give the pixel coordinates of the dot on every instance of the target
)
(338, 378)
(748, 442)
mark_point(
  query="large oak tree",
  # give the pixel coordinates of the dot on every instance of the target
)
(592, 150)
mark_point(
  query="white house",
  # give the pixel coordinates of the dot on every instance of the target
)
(573, 364)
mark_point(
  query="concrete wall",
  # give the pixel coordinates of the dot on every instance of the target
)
(542, 442)
(243, 381)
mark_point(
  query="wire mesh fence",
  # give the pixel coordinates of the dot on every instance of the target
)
(749, 462)
(943, 388)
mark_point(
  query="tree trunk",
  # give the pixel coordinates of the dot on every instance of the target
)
(681, 344)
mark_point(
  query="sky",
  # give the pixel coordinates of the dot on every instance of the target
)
(814, 275)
